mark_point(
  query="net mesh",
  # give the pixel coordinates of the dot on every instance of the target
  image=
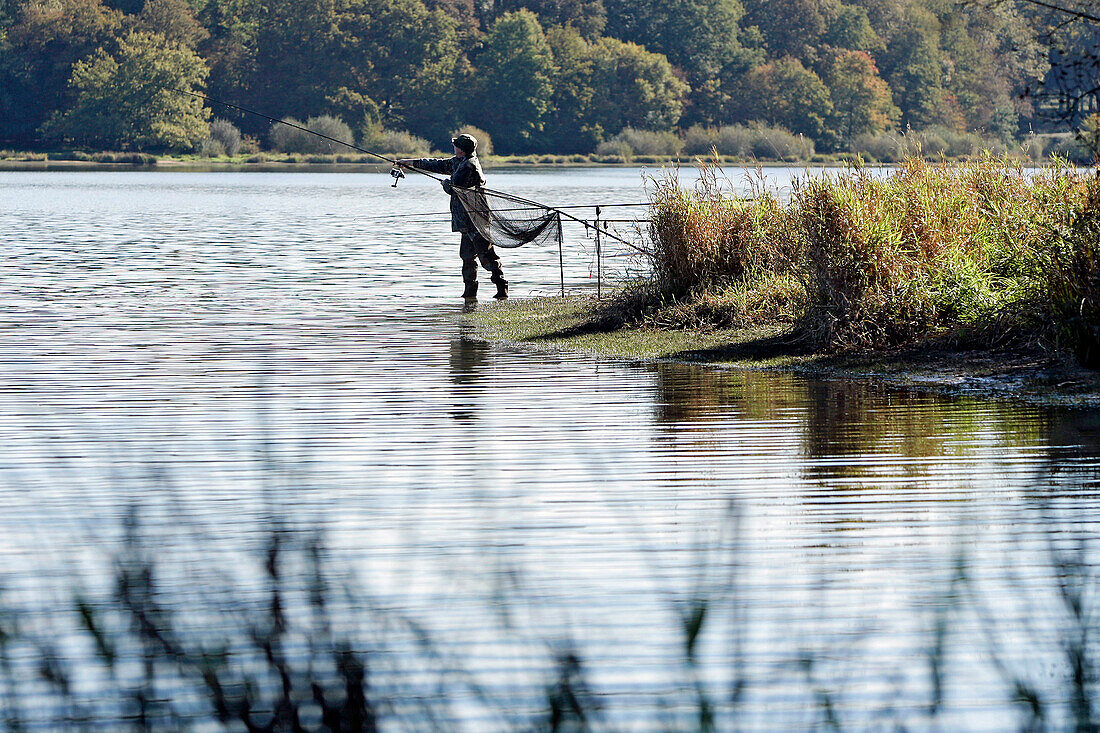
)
(511, 222)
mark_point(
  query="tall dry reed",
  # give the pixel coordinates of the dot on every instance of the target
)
(1073, 276)
(868, 260)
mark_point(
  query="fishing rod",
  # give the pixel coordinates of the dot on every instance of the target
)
(495, 211)
(445, 216)
(397, 166)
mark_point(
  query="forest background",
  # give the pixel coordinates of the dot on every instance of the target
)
(543, 76)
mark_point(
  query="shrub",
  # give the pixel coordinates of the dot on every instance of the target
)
(931, 248)
(288, 139)
(937, 141)
(700, 140)
(885, 147)
(703, 237)
(78, 155)
(224, 136)
(745, 141)
(484, 141)
(1074, 277)
(1070, 148)
(211, 148)
(641, 142)
(397, 143)
(130, 158)
(930, 143)
(737, 140)
(864, 286)
(775, 143)
(21, 155)
(616, 151)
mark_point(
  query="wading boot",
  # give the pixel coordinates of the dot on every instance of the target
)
(502, 290)
(470, 291)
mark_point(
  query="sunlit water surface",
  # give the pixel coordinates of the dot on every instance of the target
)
(196, 363)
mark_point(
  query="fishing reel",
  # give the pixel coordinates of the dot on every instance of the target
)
(396, 174)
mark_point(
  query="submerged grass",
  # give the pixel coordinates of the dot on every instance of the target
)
(567, 323)
(981, 253)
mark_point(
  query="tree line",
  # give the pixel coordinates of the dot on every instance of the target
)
(557, 76)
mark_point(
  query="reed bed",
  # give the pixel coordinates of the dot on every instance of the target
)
(983, 251)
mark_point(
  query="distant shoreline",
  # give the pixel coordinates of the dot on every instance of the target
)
(109, 161)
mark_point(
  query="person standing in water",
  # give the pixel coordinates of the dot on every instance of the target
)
(465, 172)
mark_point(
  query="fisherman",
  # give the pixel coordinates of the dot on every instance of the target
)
(465, 171)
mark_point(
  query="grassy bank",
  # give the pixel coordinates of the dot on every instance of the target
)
(1024, 372)
(898, 275)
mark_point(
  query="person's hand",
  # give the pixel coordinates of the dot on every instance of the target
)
(447, 186)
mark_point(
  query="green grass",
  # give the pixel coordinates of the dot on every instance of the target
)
(553, 323)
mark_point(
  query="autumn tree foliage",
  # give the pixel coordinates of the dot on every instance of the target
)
(861, 100)
(558, 76)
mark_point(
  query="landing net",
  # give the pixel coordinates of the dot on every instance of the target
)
(515, 221)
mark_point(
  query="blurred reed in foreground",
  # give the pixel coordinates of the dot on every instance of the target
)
(294, 645)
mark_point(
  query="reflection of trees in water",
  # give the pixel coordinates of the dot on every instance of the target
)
(689, 393)
(970, 623)
(853, 419)
(841, 417)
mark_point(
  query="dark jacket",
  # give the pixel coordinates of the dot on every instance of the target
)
(465, 173)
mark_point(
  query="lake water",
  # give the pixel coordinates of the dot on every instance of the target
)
(248, 438)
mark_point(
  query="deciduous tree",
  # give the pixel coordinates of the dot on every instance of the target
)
(569, 124)
(173, 19)
(911, 66)
(701, 38)
(861, 99)
(792, 27)
(786, 93)
(589, 17)
(408, 60)
(516, 69)
(44, 43)
(127, 99)
(632, 87)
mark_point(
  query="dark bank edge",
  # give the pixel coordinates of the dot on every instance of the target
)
(560, 324)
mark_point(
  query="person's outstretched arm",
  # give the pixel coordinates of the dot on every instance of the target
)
(432, 165)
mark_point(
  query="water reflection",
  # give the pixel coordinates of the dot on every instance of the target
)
(468, 362)
(687, 394)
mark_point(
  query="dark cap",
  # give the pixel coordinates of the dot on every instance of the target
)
(465, 142)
